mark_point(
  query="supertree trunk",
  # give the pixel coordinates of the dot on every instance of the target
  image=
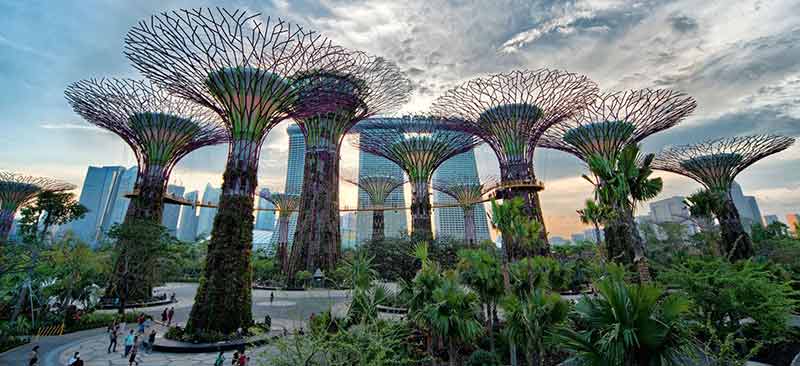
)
(531, 208)
(316, 239)
(617, 235)
(6, 221)
(469, 225)
(421, 227)
(736, 244)
(282, 253)
(377, 225)
(223, 301)
(638, 248)
(130, 282)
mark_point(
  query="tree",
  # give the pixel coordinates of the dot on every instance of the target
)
(510, 112)
(16, 191)
(242, 71)
(715, 164)
(595, 214)
(378, 188)
(630, 325)
(622, 182)
(453, 314)
(427, 279)
(417, 145)
(330, 102)
(467, 193)
(529, 317)
(480, 270)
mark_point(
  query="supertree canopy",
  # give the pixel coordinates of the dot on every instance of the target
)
(609, 124)
(239, 65)
(418, 146)
(467, 193)
(160, 129)
(715, 164)
(378, 188)
(329, 104)
(286, 204)
(615, 120)
(510, 112)
(18, 190)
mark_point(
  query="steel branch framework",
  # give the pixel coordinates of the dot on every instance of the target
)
(418, 147)
(378, 188)
(329, 104)
(286, 204)
(240, 66)
(510, 112)
(467, 193)
(17, 190)
(615, 120)
(160, 129)
(715, 164)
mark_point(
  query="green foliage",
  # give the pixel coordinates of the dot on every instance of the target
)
(725, 294)
(379, 344)
(482, 358)
(264, 268)
(75, 269)
(538, 272)
(49, 210)
(360, 273)
(141, 253)
(100, 320)
(480, 270)
(510, 219)
(393, 261)
(624, 179)
(529, 316)
(630, 325)
(452, 314)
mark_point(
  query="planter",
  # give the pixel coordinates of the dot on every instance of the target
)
(171, 346)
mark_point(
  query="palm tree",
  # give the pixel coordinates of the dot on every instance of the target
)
(623, 181)
(529, 316)
(480, 270)
(630, 325)
(453, 314)
(595, 214)
(427, 279)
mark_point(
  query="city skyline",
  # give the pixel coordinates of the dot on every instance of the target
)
(751, 92)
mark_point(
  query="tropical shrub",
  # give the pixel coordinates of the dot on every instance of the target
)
(529, 316)
(483, 358)
(630, 325)
(452, 315)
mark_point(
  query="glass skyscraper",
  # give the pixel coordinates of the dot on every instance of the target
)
(187, 229)
(206, 220)
(449, 221)
(169, 217)
(265, 220)
(99, 192)
(294, 173)
(120, 206)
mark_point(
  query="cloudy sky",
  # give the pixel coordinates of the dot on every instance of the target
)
(738, 59)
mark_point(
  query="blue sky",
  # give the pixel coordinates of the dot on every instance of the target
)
(740, 63)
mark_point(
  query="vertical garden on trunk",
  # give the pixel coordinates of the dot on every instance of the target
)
(241, 69)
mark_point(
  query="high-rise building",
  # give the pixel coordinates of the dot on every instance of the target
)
(120, 207)
(187, 229)
(296, 163)
(557, 240)
(745, 207)
(591, 235)
(348, 224)
(265, 220)
(754, 209)
(100, 188)
(769, 219)
(672, 210)
(461, 168)
(792, 220)
(577, 238)
(171, 212)
(206, 220)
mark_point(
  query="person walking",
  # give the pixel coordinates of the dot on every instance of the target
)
(164, 316)
(170, 314)
(151, 340)
(113, 333)
(73, 359)
(242, 359)
(141, 323)
(220, 359)
(33, 357)
(129, 342)
(134, 351)
(235, 358)
(271, 297)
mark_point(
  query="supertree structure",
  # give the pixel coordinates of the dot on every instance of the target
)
(510, 111)
(160, 129)
(467, 193)
(418, 146)
(17, 190)
(378, 188)
(715, 164)
(238, 65)
(286, 204)
(329, 104)
(608, 124)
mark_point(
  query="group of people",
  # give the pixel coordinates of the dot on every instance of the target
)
(133, 341)
(239, 359)
(166, 315)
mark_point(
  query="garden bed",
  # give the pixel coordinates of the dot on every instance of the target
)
(173, 346)
(159, 302)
